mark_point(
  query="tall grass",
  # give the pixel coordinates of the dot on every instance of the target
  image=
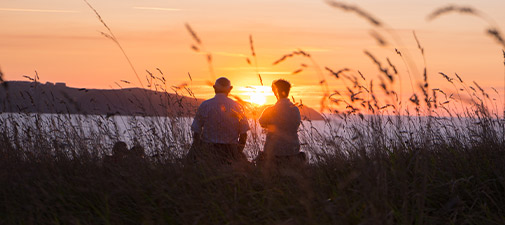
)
(437, 159)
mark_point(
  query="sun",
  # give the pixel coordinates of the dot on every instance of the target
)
(257, 98)
(256, 94)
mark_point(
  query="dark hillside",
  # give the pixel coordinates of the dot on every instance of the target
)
(34, 97)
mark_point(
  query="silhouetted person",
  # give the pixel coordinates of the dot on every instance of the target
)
(281, 122)
(119, 153)
(120, 150)
(137, 151)
(219, 128)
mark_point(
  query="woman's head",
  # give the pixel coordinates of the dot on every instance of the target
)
(281, 88)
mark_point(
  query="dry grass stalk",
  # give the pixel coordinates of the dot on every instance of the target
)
(418, 43)
(380, 40)
(495, 33)
(362, 77)
(385, 71)
(337, 74)
(350, 8)
(253, 54)
(398, 52)
(459, 78)
(294, 53)
(392, 66)
(251, 44)
(193, 34)
(322, 82)
(452, 8)
(199, 47)
(414, 99)
(478, 86)
(441, 91)
(446, 77)
(110, 35)
(370, 162)
(297, 71)
(425, 70)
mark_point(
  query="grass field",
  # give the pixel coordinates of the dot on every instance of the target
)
(441, 161)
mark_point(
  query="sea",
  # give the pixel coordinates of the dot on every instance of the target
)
(159, 134)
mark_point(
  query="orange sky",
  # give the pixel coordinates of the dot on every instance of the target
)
(61, 40)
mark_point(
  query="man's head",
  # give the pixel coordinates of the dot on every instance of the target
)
(222, 85)
(281, 88)
(119, 149)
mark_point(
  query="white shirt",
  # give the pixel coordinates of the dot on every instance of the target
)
(220, 120)
(281, 121)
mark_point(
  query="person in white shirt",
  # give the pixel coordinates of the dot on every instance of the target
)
(281, 122)
(219, 127)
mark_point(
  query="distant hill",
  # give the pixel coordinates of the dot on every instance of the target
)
(306, 112)
(34, 97)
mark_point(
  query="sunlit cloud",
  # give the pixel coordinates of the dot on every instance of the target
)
(38, 10)
(156, 8)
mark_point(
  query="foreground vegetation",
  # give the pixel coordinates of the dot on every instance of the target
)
(405, 183)
(437, 159)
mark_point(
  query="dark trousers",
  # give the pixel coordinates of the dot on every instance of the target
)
(216, 153)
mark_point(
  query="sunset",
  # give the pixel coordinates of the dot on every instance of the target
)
(61, 40)
(252, 112)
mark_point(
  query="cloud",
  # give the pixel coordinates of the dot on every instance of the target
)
(156, 8)
(38, 10)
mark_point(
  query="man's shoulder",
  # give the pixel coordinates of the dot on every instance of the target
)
(208, 101)
(204, 105)
(216, 101)
(233, 102)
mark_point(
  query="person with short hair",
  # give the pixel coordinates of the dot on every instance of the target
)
(219, 127)
(281, 122)
(119, 154)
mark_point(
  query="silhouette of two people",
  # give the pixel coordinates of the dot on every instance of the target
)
(121, 153)
(220, 128)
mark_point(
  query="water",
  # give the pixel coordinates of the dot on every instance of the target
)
(159, 134)
(151, 132)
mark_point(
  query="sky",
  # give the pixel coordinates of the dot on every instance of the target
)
(62, 41)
